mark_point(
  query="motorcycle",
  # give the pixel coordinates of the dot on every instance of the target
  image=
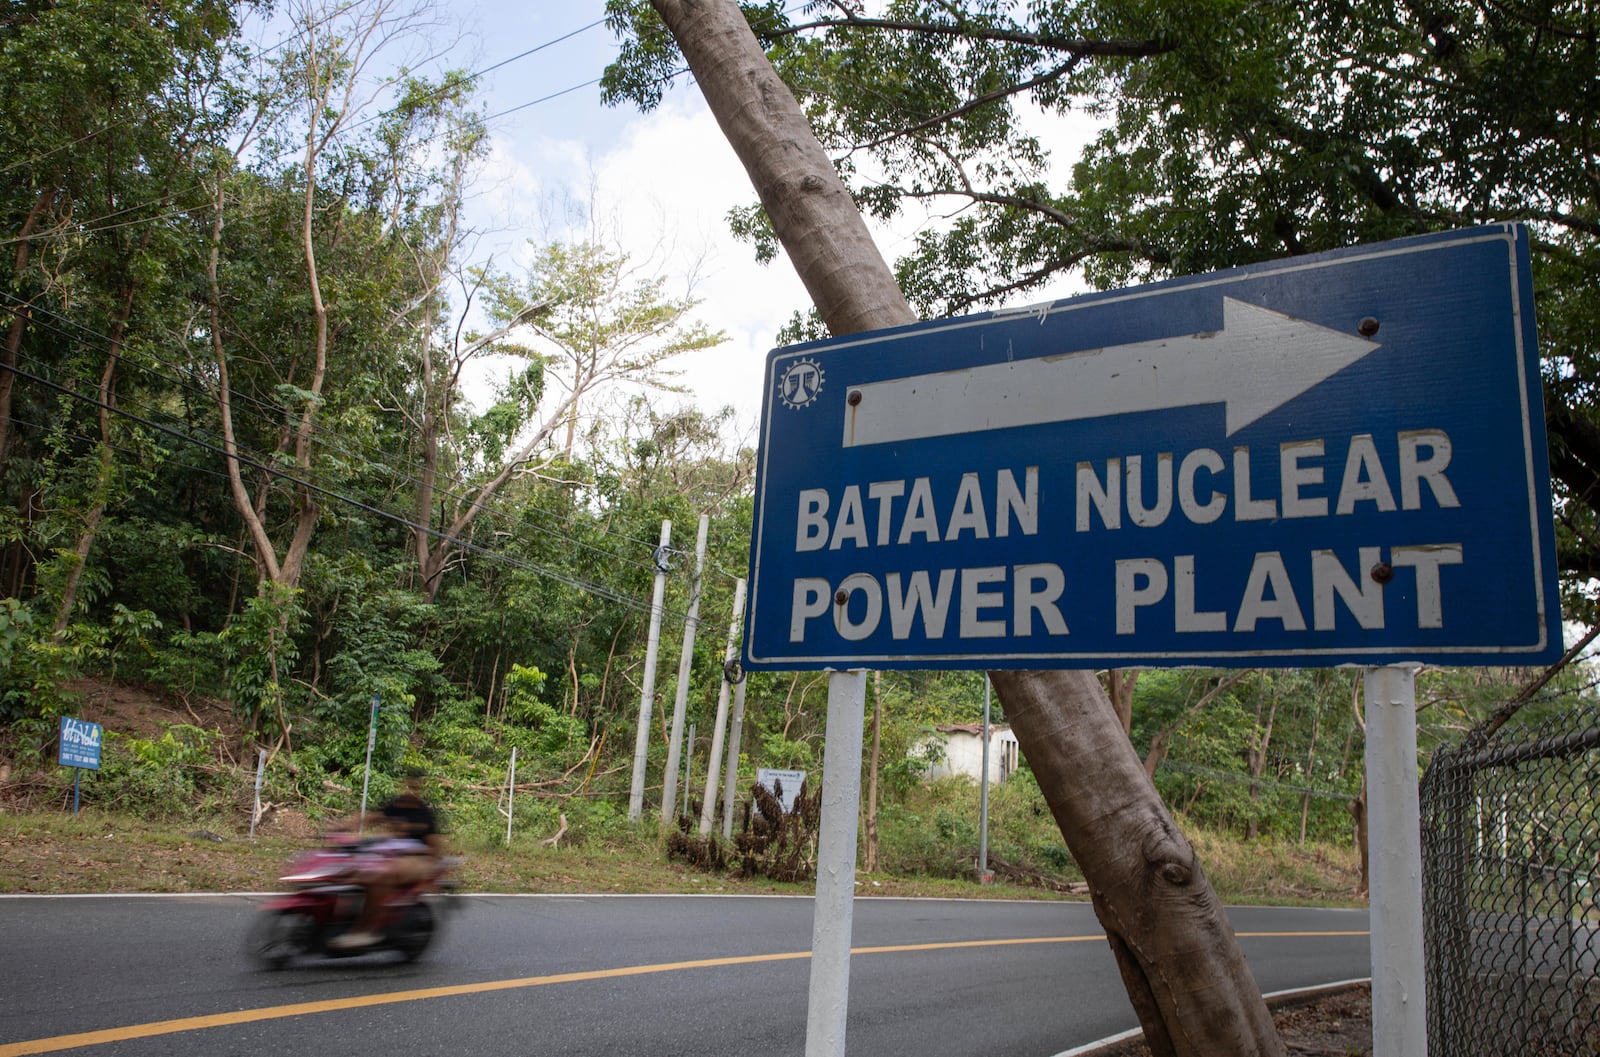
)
(324, 899)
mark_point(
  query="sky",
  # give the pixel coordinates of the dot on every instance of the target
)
(661, 184)
(664, 182)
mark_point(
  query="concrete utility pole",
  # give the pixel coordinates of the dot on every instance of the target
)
(730, 785)
(708, 809)
(691, 622)
(641, 743)
(984, 874)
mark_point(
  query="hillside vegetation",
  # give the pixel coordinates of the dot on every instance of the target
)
(170, 811)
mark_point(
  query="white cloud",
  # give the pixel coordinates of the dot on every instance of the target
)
(662, 184)
(661, 192)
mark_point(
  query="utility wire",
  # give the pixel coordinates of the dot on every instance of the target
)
(93, 440)
(88, 225)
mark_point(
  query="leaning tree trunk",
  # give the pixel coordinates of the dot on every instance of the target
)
(1179, 959)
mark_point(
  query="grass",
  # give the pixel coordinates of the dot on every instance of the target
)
(101, 852)
(98, 851)
(1278, 873)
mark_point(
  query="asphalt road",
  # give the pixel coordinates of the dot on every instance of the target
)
(551, 976)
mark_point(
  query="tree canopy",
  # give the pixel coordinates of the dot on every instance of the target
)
(1229, 132)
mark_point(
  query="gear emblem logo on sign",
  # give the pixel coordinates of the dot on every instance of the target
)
(801, 383)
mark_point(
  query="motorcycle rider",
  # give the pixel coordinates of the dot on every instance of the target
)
(410, 852)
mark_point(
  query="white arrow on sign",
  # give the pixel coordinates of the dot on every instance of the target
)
(1257, 362)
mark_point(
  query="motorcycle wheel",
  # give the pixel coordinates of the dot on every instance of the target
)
(278, 935)
(413, 932)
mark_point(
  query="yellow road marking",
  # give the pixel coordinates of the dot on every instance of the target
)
(301, 1009)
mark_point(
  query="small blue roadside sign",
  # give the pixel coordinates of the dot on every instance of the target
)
(80, 744)
(1332, 459)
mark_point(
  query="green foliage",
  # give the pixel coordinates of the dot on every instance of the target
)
(130, 635)
(261, 648)
(547, 732)
(786, 753)
(189, 663)
(374, 636)
(172, 776)
(1257, 752)
(35, 663)
(1022, 830)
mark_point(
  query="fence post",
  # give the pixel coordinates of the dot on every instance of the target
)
(261, 769)
(511, 793)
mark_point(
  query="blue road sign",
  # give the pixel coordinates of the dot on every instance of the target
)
(80, 744)
(1335, 459)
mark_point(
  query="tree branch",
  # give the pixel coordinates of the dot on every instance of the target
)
(1077, 46)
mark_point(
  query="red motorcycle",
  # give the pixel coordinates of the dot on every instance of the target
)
(324, 900)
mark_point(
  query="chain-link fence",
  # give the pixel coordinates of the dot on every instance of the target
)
(1511, 867)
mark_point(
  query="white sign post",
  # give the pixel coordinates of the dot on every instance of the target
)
(366, 772)
(836, 866)
(511, 794)
(1394, 837)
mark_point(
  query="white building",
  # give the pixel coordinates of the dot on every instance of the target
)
(963, 751)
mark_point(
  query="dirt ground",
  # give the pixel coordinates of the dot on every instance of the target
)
(141, 714)
(1331, 1025)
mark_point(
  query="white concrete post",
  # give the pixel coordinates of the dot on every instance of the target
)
(680, 701)
(641, 741)
(261, 771)
(735, 735)
(366, 773)
(836, 866)
(708, 806)
(511, 793)
(1394, 837)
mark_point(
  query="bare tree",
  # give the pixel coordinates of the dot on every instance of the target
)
(321, 91)
(592, 320)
